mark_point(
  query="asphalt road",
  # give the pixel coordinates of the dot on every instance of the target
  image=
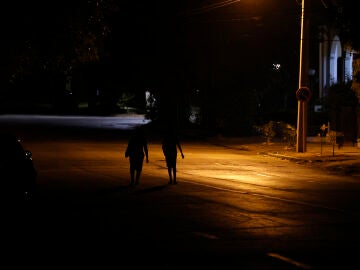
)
(232, 208)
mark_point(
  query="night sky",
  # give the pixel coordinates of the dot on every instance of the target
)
(149, 31)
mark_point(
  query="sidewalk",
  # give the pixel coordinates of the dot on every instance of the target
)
(344, 160)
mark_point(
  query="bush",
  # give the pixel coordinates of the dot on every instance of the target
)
(274, 129)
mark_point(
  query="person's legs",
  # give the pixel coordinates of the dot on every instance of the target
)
(132, 174)
(174, 173)
(132, 171)
(172, 168)
(138, 168)
(138, 173)
(170, 177)
(169, 167)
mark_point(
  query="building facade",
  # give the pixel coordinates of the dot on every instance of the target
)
(334, 62)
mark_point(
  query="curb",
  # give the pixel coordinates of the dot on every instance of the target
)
(295, 159)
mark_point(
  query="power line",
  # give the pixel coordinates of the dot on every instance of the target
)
(210, 7)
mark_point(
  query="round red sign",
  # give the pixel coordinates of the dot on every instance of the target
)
(303, 94)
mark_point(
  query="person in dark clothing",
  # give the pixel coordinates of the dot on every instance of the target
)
(170, 146)
(136, 150)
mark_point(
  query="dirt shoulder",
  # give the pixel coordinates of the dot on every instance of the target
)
(344, 160)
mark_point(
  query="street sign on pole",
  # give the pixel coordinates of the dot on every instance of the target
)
(303, 94)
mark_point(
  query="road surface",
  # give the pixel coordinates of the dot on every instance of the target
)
(232, 209)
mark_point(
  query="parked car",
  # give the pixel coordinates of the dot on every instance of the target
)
(17, 170)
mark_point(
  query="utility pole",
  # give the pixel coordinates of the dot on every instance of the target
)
(303, 94)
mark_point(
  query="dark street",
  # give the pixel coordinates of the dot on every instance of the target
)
(232, 209)
(260, 100)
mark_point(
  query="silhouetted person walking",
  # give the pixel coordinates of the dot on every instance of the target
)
(136, 150)
(170, 146)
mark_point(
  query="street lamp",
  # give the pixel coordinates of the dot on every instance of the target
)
(303, 94)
